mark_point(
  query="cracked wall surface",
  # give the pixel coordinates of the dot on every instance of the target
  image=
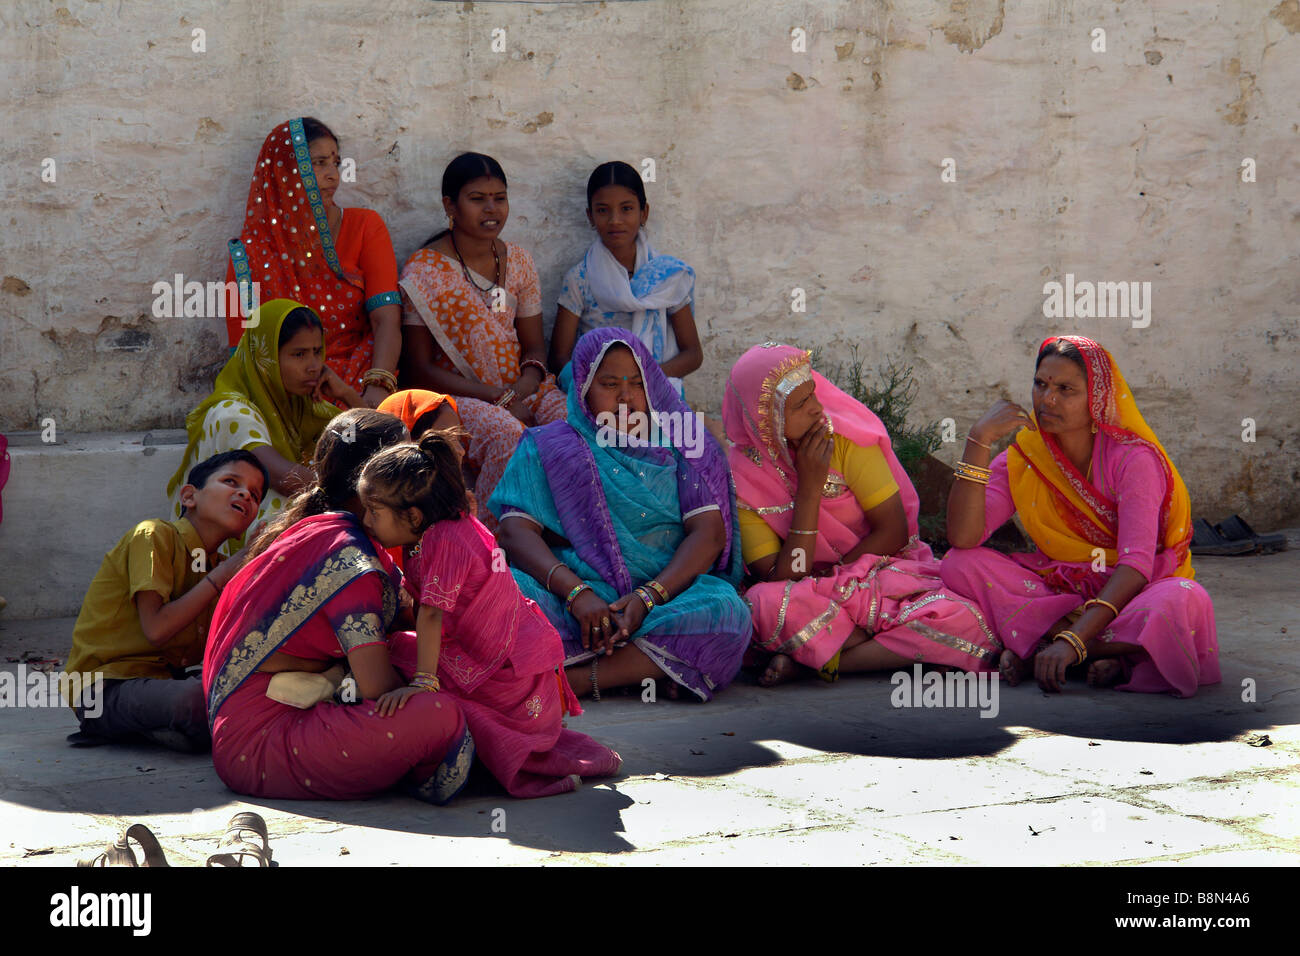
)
(775, 170)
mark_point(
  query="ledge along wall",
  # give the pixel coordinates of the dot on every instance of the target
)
(775, 169)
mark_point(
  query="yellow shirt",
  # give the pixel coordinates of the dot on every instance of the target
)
(155, 555)
(864, 470)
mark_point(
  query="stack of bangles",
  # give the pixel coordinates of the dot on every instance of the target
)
(648, 598)
(976, 473)
(424, 681)
(381, 377)
(568, 601)
(1075, 641)
(507, 399)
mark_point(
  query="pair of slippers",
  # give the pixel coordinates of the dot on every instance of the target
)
(1233, 536)
(236, 848)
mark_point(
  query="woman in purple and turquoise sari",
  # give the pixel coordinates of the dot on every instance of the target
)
(621, 524)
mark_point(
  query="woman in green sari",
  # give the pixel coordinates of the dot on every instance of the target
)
(272, 398)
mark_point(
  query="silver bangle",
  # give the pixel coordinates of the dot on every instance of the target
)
(550, 572)
(798, 531)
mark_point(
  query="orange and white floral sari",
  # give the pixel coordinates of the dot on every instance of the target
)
(476, 337)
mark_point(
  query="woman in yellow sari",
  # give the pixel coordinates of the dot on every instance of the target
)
(472, 324)
(1095, 490)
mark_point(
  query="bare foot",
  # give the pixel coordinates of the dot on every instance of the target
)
(780, 668)
(1104, 672)
(1012, 668)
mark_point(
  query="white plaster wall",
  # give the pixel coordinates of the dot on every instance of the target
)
(776, 169)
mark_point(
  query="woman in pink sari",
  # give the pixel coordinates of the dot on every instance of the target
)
(476, 634)
(314, 592)
(1096, 492)
(829, 528)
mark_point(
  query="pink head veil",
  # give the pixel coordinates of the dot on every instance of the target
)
(753, 413)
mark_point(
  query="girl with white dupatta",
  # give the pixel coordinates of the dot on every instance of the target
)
(622, 282)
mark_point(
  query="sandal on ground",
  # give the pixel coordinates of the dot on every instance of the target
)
(121, 854)
(236, 847)
(1208, 540)
(451, 776)
(1235, 529)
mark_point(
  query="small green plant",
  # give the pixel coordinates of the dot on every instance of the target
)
(890, 392)
(890, 396)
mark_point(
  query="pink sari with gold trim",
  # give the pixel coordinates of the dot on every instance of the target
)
(896, 599)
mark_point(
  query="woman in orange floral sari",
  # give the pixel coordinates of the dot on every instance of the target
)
(296, 243)
(472, 323)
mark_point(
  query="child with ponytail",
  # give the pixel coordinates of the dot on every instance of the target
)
(477, 637)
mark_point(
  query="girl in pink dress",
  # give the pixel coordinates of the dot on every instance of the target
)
(1111, 581)
(477, 636)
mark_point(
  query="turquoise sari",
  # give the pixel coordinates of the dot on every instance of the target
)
(622, 512)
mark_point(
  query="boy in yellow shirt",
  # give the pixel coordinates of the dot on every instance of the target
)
(145, 616)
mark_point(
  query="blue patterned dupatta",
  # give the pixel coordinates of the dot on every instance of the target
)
(622, 512)
(281, 589)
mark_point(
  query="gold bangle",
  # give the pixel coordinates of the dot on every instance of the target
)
(972, 438)
(1076, 642)
(660, 590)
(381, 377)
(1102, 603)
(979, 468)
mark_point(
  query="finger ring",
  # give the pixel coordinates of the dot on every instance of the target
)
(604, 622)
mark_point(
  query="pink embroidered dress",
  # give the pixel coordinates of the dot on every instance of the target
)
(500, 658)
(896, 599)
(1135, 510)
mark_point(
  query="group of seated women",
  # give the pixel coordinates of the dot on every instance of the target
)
(633, 560)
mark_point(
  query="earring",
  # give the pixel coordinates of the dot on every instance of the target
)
(1094, 428)
(451, 222)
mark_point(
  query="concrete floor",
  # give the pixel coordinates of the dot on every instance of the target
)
(804, 774)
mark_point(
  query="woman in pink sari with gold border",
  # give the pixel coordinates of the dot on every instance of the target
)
(844, 582)
(1098, 495)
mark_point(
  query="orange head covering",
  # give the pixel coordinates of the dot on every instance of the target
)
(412, 403)
(1064, 513)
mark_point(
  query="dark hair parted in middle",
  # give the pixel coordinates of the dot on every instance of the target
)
(616, 173)
(314, 129)
(424, 475)
(298, 319)
(462, 170)
(466, 168)
(1066, 350)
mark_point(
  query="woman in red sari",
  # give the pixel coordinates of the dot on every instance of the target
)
(314, 592)
(297, 243)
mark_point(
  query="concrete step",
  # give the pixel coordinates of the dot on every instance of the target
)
(68, 502)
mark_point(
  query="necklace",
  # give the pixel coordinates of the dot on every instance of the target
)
(496, 265)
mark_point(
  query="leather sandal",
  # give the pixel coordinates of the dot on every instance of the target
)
(1209, 540)
(1235, 529)
(121, 854)
(235, 847)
